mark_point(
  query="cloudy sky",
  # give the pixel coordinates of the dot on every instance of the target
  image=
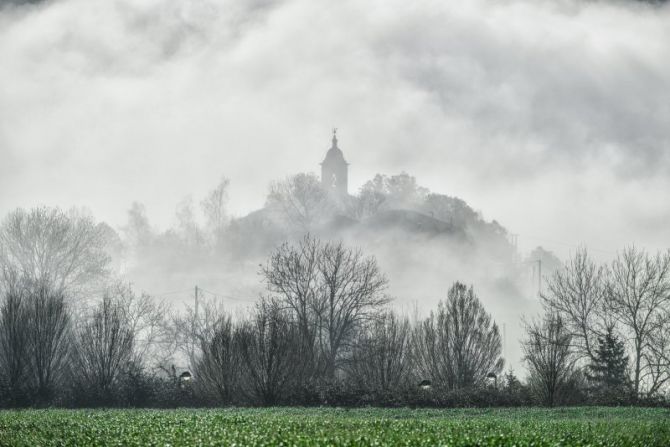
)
(552, 117)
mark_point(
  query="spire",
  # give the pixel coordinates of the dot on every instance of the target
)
(334, 136)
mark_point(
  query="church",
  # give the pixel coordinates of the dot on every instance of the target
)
(335, 170)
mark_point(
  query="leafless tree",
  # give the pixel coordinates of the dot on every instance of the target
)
(147, 318)
(14, 336)
(352, 289)
(331, 290)
(138, 231)
(458, 346)
(639, 289)
(48, 329)
(64, 249)
(214, 209)
(548, 354)
(217, 369)
(292, 273)
(104, 344)
(577, 294)
(269, 349)
(381, 355)
(300, 200)
(120, 331)
(657, 358)
(187, 228)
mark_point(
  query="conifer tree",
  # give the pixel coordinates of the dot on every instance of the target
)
(608, 371)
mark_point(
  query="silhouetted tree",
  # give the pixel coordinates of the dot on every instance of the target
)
(14, 333)
(459, 345)
(576, 293)
(380, 359)
(639, 291)
(269, 349)
(48, 343)
(548, 354)
(104, 345)
(331, 290)
(217, 368)
(352, 289)
(608, 371)
(292, 273)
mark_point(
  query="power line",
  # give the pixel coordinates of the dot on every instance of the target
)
(225, 296)
(565, 244)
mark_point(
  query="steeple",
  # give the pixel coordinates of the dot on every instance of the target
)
(334, 169)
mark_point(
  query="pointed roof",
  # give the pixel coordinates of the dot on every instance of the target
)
(334, 154)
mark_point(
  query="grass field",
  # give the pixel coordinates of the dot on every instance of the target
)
(364, 427)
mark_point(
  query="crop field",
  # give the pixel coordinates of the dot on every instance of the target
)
(358, 427)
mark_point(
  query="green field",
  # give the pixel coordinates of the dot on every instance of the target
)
(373, 427)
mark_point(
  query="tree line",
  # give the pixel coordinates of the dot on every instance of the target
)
(324, 332)
(605, 325)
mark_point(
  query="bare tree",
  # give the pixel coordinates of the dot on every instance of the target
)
(330, 289)
(217, 368)
(48, 329)
(380, 357)
(121, 331)
(47, 245)
(300, 200)
(577, 294)
(104, 344)
(14, 333)
(459, 345)
(657, 358)
(639, 287)
(214, 209)
(269, 349)
(352, 289)
(292, 273)
(548, 354)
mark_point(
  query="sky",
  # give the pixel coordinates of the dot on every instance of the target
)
(552, 117)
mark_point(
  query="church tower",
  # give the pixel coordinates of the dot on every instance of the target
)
(334, 169)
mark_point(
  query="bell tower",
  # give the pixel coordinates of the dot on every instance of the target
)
(334, 169)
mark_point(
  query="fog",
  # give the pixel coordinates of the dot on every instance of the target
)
(548, 116)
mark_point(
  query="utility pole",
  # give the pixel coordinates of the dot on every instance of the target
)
(505, 342)
(539, 276)
(195, 313)
(194, 321)
(514, 241)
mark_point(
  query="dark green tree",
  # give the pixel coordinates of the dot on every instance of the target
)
(608, 371)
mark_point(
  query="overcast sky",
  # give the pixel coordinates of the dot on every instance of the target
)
(552, 117)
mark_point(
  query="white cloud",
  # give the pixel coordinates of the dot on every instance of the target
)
(548, 116)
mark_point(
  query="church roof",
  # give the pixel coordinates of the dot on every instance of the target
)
(334, 154)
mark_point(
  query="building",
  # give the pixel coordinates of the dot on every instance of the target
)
(335, 170)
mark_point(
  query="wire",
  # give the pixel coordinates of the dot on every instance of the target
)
(565, 244)
(229, 297)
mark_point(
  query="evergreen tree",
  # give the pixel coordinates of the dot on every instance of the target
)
(607, 372)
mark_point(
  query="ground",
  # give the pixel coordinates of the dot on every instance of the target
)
(323, 426)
